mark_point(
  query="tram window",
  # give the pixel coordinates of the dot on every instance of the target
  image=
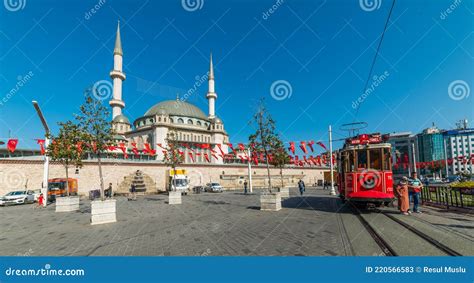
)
(362, 159)
(387, 159)
(376, 159)
(350, 162)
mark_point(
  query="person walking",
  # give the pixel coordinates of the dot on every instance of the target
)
(245, 186)
(301, 186)
(402, 193)
(40, 201)
(108, 192)
(325, 185)
(414, 188)
(133, 191)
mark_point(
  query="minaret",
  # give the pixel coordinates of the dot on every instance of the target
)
(118, 77)
(211, 93)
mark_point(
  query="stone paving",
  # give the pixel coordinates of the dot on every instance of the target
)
(228, 223)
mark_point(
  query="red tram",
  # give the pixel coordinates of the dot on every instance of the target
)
(365, 170)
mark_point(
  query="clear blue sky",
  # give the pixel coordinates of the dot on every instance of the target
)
(322, 48)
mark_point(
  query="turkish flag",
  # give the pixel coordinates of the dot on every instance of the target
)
(123, 149)
(241, 146)
(310, 144)
(232, 148)
(148, 149)
(11, 145)
(134, 148)
(303, 147)
(191, 156)
(41, 144)
(292, 147)
(321, 144)
(207, 157)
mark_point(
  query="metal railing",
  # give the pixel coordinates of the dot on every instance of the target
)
(447, 196)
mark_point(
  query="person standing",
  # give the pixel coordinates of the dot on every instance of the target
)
(245, 187)
(108, 192)
(415, 187)
(301, 186)
(133, 191)
(40, 201)
(402, 193)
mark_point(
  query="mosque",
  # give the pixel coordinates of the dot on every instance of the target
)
(192, 125)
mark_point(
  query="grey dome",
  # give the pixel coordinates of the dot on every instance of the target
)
(176, 108)
(121, 119)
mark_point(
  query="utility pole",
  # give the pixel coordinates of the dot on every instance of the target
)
(446, 158)
(331, 166)
(250, 172)
(44, 189)
(413, 154)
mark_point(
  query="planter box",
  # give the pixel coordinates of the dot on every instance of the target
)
(67, 204)
(103, 212)
(284, 192)
(174, 198)
(270, 202)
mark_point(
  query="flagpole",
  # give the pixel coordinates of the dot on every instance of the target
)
(331, 166)
(250, 172)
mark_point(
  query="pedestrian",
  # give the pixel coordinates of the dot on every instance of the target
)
(325, 185)
(245, 187)
(414, 188)
(40, 201)
(402, 193)
(133, 190)
(301, 186)
(108, 192)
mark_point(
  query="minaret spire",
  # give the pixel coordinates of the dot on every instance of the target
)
(118, 77)
(211, 93)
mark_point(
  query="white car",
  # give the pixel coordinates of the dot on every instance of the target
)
(18, 197)
(214, 188)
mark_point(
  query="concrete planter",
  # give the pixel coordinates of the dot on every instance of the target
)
(67, 204)
(284, 192)
(103, 212)
(270, 202)
(174, 198)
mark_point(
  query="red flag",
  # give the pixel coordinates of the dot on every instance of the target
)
(219, 146)
(292, 147)
(111, 147)
(321, 144)
(303, 147)
(41, 144)
(79, 147)
(148, 149)
(310, 144)
(11, 145)
(161, 146)
(191, 156)
(241, 146)
(123, 149)
(207, 157)
(134, 148)
(232, 148)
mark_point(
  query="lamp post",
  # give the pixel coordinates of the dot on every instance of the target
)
(331, 166)
(250, 172)
(445, 158)
(44, 189)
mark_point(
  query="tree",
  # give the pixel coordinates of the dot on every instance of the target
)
(280, 158)
(173, 156)
(97, 129)
(64, 149)
(265, 140)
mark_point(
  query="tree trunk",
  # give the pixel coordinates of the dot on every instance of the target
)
(102, 195)
(67, 178)
(281, 176)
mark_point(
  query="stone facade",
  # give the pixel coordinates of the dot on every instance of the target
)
(18, 174)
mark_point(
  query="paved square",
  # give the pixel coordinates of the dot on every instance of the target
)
(228, 223)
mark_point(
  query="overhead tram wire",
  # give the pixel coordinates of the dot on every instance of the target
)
(375, 57)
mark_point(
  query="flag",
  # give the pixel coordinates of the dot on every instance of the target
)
(11, 145)
(321, 144)
(191, 156)
(41, 144)
(241, 146)
(134, 148)
(310, 144)
(232, 148)
(123, 149)
(292, 147)
(303, 147)
(148, 149)
(207, 157)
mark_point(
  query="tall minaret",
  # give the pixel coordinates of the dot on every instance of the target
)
(118, 77)
(211, 93)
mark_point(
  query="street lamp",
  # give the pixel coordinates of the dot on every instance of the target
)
(44, 189)
(333, 190)
(250, 172)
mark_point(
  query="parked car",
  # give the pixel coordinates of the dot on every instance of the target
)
(213, 188)
(36, 194)
(17, 197)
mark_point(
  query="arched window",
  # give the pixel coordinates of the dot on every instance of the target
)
(171, 120)
(199, 123)
(180, 121)
(159, 119)
(190, 122)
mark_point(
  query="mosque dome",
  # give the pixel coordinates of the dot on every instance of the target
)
(121, 119)
(176, 108)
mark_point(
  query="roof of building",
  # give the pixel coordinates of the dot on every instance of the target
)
(176, 108)
(121, 119)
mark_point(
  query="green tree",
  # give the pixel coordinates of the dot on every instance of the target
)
(265, 140)
(98, 133)
(280, 157)
(64, 149)
(173, 156)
